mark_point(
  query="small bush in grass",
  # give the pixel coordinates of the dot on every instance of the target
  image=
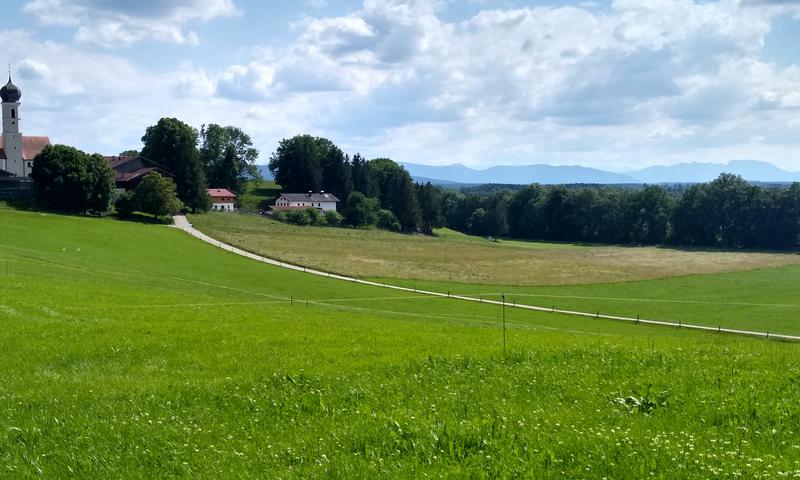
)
(316, 218)
(388, 221)
(280, 216)
(333, 218)
(298, 217)
(308, 216)
(125, 204)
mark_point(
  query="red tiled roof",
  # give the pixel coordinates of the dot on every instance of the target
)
(220, 192)
(31, 146)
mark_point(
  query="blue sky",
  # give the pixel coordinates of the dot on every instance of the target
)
(615, 85)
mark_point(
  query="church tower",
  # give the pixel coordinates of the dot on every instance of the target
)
(12, 138)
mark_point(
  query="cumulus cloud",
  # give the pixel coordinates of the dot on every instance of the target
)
(115, 24)
(31, 69)
(638, 82)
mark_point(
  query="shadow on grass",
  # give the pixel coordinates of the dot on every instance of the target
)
(144, 218)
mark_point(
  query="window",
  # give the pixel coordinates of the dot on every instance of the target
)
(13, 113)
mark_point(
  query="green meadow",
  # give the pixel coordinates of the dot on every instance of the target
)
(698, 287)
(453, 257)
(136, 351)
(763, 300)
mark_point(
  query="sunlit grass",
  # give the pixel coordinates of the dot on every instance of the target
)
(136, 351)
(453, 257)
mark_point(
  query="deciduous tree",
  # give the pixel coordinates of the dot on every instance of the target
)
(173, 144)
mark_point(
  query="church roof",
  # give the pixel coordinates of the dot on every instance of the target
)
(10, 92)
(31, 146)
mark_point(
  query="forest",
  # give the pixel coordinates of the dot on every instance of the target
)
(728, 212)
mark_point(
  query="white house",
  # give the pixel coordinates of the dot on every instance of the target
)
(324, 202)
(222, 200)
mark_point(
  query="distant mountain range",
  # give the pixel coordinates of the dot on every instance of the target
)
(752, 170)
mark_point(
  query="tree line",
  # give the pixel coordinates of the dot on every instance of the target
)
(69, 179)
(375, 192)
(727, 212)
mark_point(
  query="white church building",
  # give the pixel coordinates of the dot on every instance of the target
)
(16, 151)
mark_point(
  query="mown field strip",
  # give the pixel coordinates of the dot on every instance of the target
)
(642, 300)
(182, 223)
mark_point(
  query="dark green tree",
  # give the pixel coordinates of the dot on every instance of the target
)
(430, 207)
(496, 216)
(781, 219)
(296, 164)
(647, 215)
(523, 214)
(125, 204)
(173, 144)
(363, 180)
(387, 221)
(70, 180)
(691, 224)
(129, 153)
(734, 212)
(555, 207)
(360, 211)
(478, 224)
(156, 195)
(397, 192)
(228, 156)
(336, 174)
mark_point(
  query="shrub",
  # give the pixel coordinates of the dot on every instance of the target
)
(333, 218)
(388, 221)
(156, 195)
(360, 211)
(280, 216)
(298, 217)
(316, 218)
(125, 204)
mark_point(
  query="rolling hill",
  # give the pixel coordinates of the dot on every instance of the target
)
(136, 351)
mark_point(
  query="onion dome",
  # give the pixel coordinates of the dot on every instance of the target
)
(10, 93)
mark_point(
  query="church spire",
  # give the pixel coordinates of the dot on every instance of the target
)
(10, 93)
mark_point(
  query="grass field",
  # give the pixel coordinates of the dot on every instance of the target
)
(455, 257)
(259, 196)
(761, 299)
(135, 351)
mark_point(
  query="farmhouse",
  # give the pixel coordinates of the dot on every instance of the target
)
(222, 200)
(324, 202)
(16, 151)
(129, 171)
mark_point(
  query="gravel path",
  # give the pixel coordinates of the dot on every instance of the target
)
(182, 223)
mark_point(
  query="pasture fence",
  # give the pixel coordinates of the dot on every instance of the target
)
(182, 223)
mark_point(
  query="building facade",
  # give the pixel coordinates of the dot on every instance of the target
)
(130, 171)
(16, 151)
(222, 200)
(324, 202)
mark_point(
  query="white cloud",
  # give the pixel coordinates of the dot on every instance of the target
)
(31, 69)
(643, 82)
(115, 24)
